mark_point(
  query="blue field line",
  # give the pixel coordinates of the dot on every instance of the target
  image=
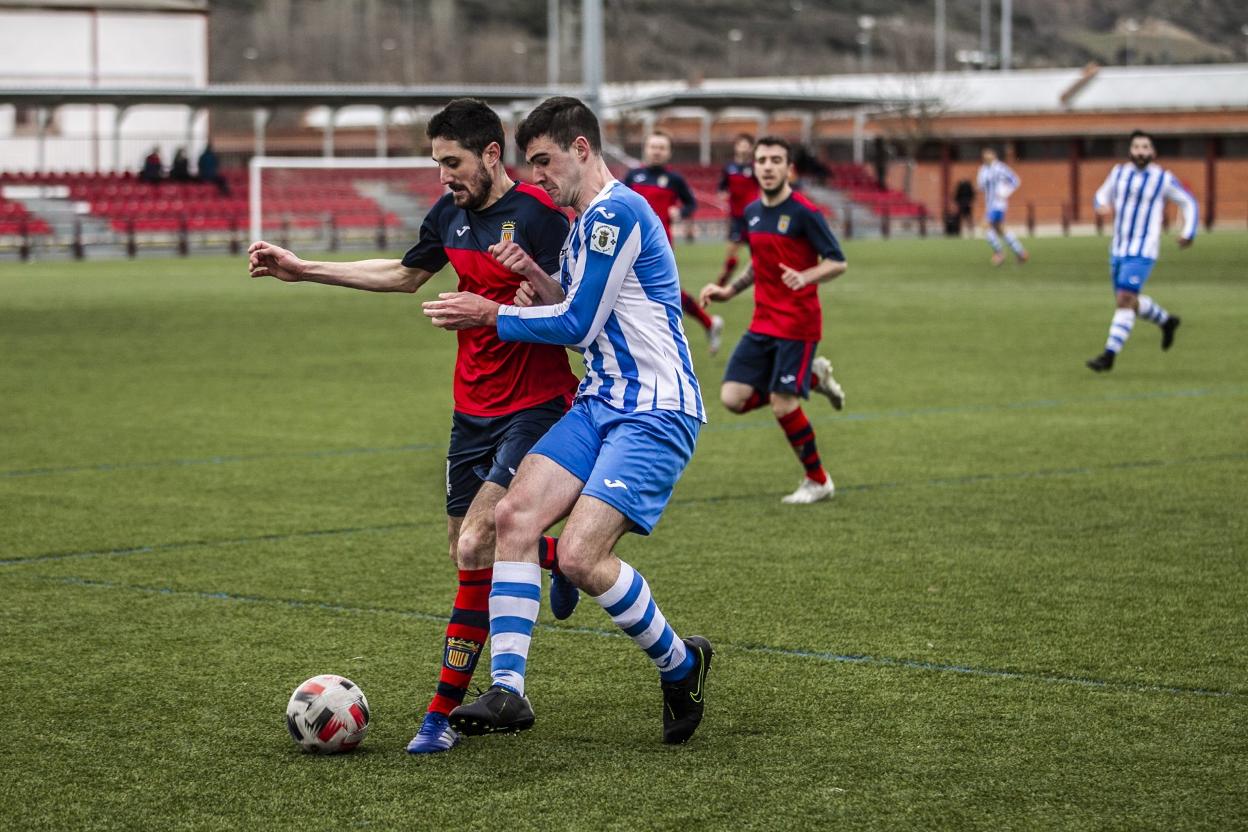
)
(968, 479)
(193, 544)
(973, 479)
(725, 424)
(215, 460)
(968, 409)
(755, 649)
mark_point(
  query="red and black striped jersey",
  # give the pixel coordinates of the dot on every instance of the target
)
(796, 235)
(495, 377)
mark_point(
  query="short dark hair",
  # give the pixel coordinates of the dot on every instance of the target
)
(743, 136)
(776, 141)
(662, 134)
(1142, 134)
(470, 122)
(561, 118)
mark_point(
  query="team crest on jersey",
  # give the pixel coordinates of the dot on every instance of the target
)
(509, 232)
(783, 225)
(603, 237)
(747, 171)
(461, 653)
(663, 181)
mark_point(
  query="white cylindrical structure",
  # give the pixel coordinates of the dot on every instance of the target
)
(591, 52)
(1007, 33)
(552, 42)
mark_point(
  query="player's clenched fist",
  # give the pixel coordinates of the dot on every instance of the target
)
(513, 258)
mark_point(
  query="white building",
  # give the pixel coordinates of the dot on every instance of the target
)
(136, 44)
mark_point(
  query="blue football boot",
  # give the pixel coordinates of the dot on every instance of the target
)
(564, 596)
(436, 734)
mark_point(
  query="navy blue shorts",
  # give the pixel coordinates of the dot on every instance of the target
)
(772, 365)
(736, 229)
(489, 449)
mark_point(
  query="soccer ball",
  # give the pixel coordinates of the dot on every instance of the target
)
(327, 714)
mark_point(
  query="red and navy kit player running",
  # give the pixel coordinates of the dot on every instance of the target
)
(507, 394)
(1135, 195)
(610, 465)
(738, 182)
(668, 194)
(792, 250)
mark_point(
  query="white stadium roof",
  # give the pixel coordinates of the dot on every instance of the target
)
(1201, 86)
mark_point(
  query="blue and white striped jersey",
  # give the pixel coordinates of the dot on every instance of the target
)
(997, 182)
(1138, 199)
(621, 308)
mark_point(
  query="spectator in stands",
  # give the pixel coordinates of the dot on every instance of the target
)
(180, 168)
(808, 165)
(209, 170)
(153, 168)
(964, 198)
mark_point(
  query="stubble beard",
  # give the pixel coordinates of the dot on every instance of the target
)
(478, 191)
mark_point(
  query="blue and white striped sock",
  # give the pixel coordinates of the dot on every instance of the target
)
(515, 597)
(994, 241)
(1120, 329)
(1151, 310)
(1014, 244)
(632, 608)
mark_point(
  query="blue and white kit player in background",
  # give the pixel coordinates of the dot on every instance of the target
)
(1135, 194)
(997, 181)
(609, 465)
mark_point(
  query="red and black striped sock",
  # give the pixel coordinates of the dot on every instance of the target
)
(757, 399)
(548, 553)
(802, 437)
(691, 307)
(465, 636)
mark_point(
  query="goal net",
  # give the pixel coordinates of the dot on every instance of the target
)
(340, 201)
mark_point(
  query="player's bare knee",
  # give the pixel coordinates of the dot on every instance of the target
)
(513, 519)
(1127, 300)
(782, 406)
(475, 548)
(731, 400)
(574, 561)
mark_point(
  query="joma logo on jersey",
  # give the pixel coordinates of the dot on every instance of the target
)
(783, 225)
(461, 653)
(509, 232)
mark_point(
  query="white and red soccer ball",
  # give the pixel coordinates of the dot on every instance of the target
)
(327, 714)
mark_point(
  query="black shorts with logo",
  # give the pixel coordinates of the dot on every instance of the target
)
(772, 365)
(489, 449)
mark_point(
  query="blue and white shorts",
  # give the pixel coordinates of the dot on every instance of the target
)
(1130, 273)
(630, 461)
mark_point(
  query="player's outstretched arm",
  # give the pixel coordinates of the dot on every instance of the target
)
(715, 292)
(461, 310)
(267, 260)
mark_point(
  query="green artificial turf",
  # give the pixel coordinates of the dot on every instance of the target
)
(1024, 609)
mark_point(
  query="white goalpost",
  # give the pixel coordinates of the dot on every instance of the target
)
(353, 182)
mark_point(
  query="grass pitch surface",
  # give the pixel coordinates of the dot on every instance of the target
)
(1023, 609)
